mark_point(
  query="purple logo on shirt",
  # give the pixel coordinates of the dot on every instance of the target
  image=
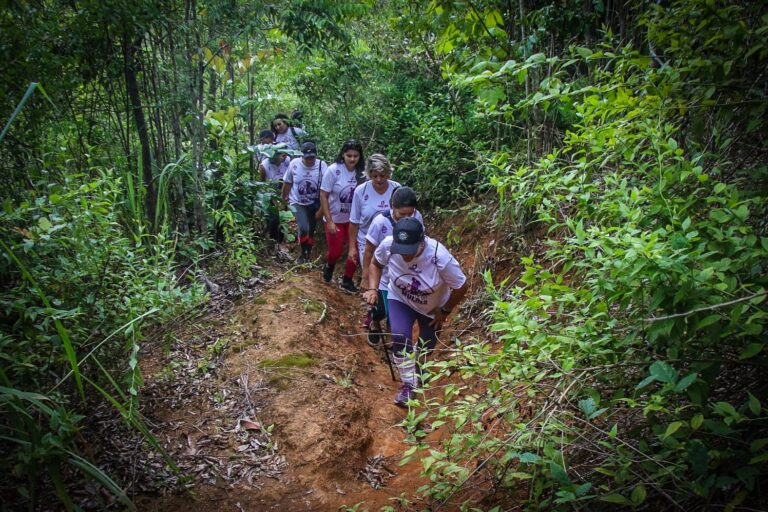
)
(307, 188)
(413, 289)
(383, 229)
(365, 197)
(346, 195)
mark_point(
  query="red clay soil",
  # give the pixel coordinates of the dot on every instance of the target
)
(295, 412)
(327, 395)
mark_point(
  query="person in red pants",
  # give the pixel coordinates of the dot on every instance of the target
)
(336, 191)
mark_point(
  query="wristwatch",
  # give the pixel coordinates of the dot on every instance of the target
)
(445, 311)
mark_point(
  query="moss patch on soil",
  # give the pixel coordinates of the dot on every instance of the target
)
(288, 361)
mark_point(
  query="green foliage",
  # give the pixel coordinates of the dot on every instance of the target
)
(630, 354)
(72, 277)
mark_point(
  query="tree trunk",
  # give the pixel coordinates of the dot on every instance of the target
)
(132, 87)
(197, 128)
(179, 213)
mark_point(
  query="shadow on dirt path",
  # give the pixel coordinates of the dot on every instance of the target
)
(279, 404)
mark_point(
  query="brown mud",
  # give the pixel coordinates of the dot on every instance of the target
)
(277, 402)
(311, 408)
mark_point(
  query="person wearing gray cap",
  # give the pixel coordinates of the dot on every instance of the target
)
(301, 188)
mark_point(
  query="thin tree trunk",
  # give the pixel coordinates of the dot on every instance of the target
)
(179, 213)
(527, 80)
(132, 88)
(197, 128)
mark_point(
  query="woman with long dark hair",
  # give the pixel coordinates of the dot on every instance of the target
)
(336, 191)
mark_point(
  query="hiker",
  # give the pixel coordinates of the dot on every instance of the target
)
(272, 169)
(285, 132)
(425, 284)
(265, 137)
(301, 188)
(336, 191)
(403, 203)
(369, 199)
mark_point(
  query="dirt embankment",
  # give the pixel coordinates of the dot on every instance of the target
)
(279, 404)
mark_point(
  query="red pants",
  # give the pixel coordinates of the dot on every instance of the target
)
(336, 248)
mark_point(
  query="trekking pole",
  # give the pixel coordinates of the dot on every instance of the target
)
(386, 355)
(383, 346)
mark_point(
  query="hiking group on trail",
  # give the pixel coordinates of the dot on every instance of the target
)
(406, 276)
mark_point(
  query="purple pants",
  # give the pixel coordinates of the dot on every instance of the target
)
(401, 318)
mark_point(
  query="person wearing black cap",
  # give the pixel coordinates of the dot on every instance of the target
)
(425, 284)
(301, 188)
(403, 203)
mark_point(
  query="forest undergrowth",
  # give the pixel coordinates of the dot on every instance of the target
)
(612, 159)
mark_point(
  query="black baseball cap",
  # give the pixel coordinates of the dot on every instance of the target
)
(406, 236)
(266, 133)
(309, 149)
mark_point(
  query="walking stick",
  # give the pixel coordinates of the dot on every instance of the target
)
(384, 347)
(386, 354)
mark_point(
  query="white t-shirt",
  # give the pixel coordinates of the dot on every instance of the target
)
(305, 180)
(289, 139)
(424, 283)
(340, 183)
(275, 172)
(381, 228)
(366, 203)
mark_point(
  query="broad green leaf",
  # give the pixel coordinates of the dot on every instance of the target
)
(638, 494)
(751, 350)
(758, 444)
(672, 428)
(686, 381)
(44, 223)
(663, 372)
(720, 216)
(645, 382)
(559, 474)
(615, 498)
(754, 404)
(587, 406)
(725, 409)
(528, 458)
(742, 212)
(707, 321)
(696, 421)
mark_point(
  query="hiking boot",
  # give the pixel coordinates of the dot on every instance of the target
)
(327, 273)
(403, 396)
(306, 251)
(374, 334)
(348, 285)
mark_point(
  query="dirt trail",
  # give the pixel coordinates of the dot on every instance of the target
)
(274, 401)
(279, 405)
